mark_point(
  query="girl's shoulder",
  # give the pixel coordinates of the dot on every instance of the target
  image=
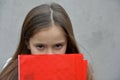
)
(6, 63)
(90, 73)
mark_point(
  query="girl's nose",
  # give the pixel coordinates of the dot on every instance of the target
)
(50, 51)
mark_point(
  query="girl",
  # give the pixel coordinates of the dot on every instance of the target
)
(47, 29)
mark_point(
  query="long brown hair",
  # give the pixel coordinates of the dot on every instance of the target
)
(40, 17)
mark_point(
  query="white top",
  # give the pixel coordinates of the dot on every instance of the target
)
(6, 63)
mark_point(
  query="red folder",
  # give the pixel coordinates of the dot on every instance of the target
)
(52, 67)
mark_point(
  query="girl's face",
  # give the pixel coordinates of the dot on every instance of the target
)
(50, 40)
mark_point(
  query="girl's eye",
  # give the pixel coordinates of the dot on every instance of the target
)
(40, 46)
(58, 46)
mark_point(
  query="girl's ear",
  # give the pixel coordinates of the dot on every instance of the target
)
(27, 44)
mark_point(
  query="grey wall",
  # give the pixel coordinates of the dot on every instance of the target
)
(96, 26)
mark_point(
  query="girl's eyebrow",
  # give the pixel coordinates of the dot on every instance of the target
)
(39, 44)
(60, 42)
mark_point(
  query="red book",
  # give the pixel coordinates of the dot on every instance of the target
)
(52, 67)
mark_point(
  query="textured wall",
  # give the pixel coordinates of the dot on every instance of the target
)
(96, 26)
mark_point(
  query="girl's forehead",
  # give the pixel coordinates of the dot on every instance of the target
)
(52, 33)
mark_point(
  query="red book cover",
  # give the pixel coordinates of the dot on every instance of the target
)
(52, 67)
